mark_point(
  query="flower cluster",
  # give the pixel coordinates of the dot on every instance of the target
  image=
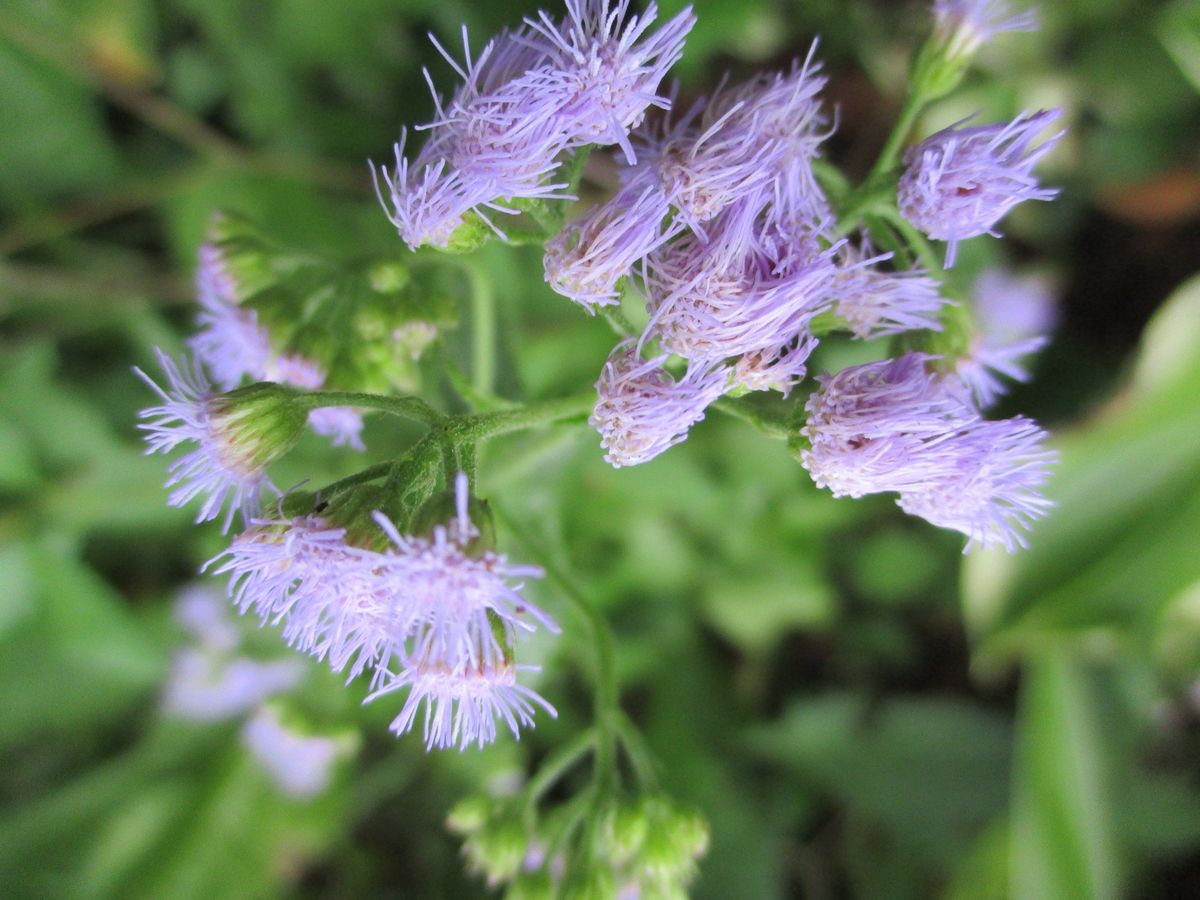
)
(435, 615)
(528, 98)
(723, 228)
(233, 345)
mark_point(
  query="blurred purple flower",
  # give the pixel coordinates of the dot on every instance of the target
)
(965, 24)
(1014, 315)
(301, 765)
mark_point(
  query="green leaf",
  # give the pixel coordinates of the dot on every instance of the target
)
(1062, 833)
(929, 771)
(1120, 544)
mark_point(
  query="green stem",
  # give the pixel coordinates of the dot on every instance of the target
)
(368, 474)
(889, 156)
(557, 765)
(738, 409)
(636, 750)
(412, 408)
(483, 333)
(482, 426)
(606, 702)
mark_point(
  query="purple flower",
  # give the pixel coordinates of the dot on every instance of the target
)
(325, 592)
(883, 426)
(462, 700)
(527, 98)
(203, 687)
(446, 612)
(992, 488)
(960, 182)
(642, 410)
(610, 66)
(231, 344)
(301, 765)
(875, 303)
(778, 368)
(1014, 316)
(235, 442)
(588, 259)
(461, 600)
(747, 290)
(965, 24)
(897, 426)
(757, 139)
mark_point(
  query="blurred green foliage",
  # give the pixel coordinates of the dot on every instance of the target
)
(808, 671)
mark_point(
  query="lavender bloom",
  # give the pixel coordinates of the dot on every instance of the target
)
(875, 303)
(895, 426)
(883, 426)
(610, 68)
(229, 466)
(960, 182)
(325, 592)
(462, 700)
(446, 610)
(742, 292)
(1014, 316)
(231, 344)
(456, 599)
(301, 765)
(642, 410)
(430, 200)
(204, 688)
(778, 368)
(588, 259)
(991, 491)
(965, 24)
(528, 97)
(204, 615)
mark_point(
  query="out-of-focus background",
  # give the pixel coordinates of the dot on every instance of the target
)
(857, 708)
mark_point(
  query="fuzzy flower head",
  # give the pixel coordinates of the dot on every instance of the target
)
(590, 257)
(237, 436)
(528, 97)
(610, 65)
(991, 490)
(875, 303)
(438, 613)
(883, 426)
(740, 292)
(960, 182)
(642, 410)
(324, 592)
(230, 343)
(963, 25)
(458, 703)
(1014, 316)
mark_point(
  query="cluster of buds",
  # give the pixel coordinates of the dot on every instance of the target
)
(436, 614)
(643, 847)
(529, 98)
